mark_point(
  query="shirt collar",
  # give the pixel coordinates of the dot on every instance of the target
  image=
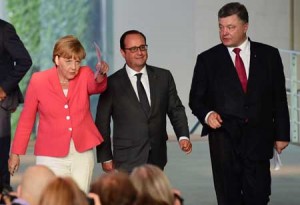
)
(245, 46)
(131, 72)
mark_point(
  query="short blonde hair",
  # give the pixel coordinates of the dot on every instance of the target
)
(68, 47)
(63, 191)
(149, 180)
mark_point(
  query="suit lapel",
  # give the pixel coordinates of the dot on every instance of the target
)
(55, 84)
(229, 71)
(126, 86)
(254, 68)
(153, 87)
(72, 86)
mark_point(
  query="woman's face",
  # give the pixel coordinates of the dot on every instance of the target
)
(67, 68)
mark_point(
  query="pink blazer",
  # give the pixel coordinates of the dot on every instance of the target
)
(60, 118)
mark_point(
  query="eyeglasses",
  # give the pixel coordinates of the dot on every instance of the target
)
(135, 48)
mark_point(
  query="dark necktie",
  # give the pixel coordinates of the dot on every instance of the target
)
(142, 94)
(240, 68)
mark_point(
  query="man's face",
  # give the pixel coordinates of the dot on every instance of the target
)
(232, 31)
(137, 59)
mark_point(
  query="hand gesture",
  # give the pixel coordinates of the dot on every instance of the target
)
(101, 70)
(280, 145)
(214, 120)
(2, 94)
(13, 163)
(185, 145)
(102, 67)
(108, 166)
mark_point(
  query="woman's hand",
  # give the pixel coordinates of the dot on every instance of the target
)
(95, 198)
(102, 67)
(13, 163)
(102, 70)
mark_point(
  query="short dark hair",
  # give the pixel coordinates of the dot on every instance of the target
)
(114, 188)
(234, 8)
(122, 39)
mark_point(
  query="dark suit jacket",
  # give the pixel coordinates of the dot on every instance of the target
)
(15, 61)
(261, 113)
(135, 133)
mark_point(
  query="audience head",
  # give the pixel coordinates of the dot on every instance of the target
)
(150, 181)
(63, 191)
(33, 182)
(114, 188)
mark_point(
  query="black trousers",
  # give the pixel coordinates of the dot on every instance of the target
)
(5, 140)
(237, 179)
(151, 161)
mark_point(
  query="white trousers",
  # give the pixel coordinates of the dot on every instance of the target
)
(77, 165)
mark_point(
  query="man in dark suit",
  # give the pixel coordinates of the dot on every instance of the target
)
(139, 111)
(15, 61)
(240, 99)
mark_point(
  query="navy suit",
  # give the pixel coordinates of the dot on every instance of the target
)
(138, 138)
(15, 61)
(252, 121)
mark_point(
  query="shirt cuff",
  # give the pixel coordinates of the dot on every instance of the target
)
(207, 116)
(183, 138)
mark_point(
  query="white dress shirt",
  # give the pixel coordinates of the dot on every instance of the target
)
(244, 53)
(144, 79)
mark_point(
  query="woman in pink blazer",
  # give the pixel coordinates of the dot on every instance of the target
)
(60, 96)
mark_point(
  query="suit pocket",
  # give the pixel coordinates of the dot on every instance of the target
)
(122, 149)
